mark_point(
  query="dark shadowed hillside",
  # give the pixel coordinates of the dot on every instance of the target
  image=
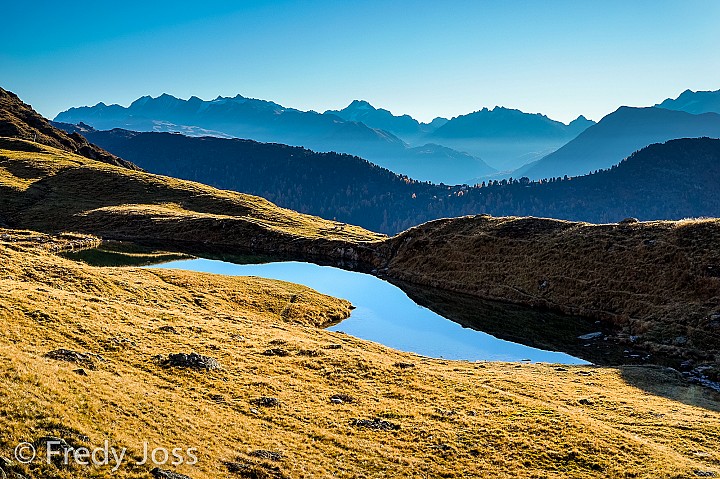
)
(674, 180)
(618, 135)
(671, 181)
(330, 185)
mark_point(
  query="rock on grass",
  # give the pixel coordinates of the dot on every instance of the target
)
(84, 359)
(375, 424)
(269, 455)
(266, 401)
(276, 352)
(192, 360)
(341, 398)
(158, 473)
(401, 365)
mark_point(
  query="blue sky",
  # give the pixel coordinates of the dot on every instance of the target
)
(425, 58)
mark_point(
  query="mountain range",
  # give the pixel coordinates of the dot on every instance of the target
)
(505, 138)
(539, 147)
(449, 151)
(695, 102)
(267, 121)
(443, 151)
(617, 136)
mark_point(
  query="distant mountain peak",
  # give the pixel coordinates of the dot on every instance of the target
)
(378, 118)
(504, 122)
(360, 105)
(580, 121)
(617, 135)
(695, 102)
(229, 99)
(139, 102)
(437, 122)
(502, 110)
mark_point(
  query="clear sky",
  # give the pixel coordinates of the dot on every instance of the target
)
(425, 57)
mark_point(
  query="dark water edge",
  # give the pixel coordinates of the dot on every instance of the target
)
(124, 253)
(117, 253)
(541, 329)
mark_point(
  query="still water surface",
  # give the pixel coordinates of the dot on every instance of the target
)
(384, 313)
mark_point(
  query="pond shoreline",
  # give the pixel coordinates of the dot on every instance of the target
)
(502, 320)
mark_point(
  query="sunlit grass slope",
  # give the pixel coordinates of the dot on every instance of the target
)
(435, 418)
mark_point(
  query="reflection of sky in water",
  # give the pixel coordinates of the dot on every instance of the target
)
(385, 314)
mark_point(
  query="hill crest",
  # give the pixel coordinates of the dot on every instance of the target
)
(19, 120)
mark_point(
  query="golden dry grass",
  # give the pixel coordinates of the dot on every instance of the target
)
(456, 419)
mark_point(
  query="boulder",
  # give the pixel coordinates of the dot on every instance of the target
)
(192, 360)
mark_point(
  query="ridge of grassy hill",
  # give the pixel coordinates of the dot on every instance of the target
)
(398, 414)
(659, 282)
(50, 190)
(18, 120)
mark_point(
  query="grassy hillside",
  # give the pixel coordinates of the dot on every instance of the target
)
(52, 190)
(434, 419)
(658, 281)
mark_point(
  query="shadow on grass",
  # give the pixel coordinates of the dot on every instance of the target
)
(118, 253)
(670, 384)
